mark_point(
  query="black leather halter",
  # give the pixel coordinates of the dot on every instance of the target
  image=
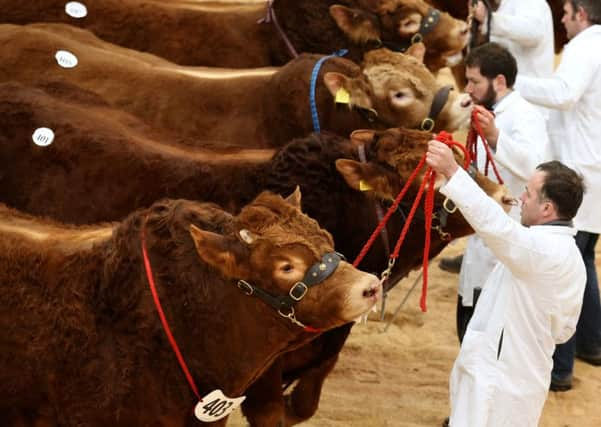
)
(284, 304)
(427, 25)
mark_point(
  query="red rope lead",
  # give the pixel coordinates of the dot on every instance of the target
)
(429, 180)
(157, 303)
(472, 144)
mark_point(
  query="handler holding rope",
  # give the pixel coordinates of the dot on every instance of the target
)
(531, 300)
(517, 137)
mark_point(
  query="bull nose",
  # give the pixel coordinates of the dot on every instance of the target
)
(373, 289)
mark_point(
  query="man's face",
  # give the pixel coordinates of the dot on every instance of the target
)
(479, 88)
(569, 20)
(532, 205)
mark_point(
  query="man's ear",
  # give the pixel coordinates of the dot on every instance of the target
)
(355, 24)
(499, 83)
(226, 254)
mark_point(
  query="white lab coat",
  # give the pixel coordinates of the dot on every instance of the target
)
(525, 28)
(533, 298)
(522, 145)
(574, 92)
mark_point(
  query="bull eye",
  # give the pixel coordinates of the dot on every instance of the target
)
(399, 95)
(287, 268)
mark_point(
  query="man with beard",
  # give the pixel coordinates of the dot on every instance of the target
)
(517, 136)
(573, 95)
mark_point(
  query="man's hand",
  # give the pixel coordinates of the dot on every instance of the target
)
(480, 11)
(440, 158)
(486, 120)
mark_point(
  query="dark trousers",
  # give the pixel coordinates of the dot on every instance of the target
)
(587, 339)
(464, 314)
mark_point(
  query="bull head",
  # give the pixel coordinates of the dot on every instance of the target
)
(399, 23)
(398, 91)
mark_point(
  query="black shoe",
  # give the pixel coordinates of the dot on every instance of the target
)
(445, 423)
(451, 264)
(590, 358)
(560, 384)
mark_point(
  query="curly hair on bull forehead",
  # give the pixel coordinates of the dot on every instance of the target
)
(270, 216)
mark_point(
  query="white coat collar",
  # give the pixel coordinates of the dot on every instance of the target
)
(590, 31)
(506, 102)
(555, 229)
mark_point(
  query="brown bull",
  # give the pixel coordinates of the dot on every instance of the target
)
(230, 35)
(104, 163)
(81, 333)
(253, 108)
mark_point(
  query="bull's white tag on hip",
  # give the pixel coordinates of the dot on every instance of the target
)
(76, 9)
(216, 405)
(43, 137)
(65, 59)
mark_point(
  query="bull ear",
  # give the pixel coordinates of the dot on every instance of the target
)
(355, 24)
(410, 24)
(224, 254)
(417, 50)
(362, 136)
(295, 198)
(335, 82)
(353, 173)
(367, 177)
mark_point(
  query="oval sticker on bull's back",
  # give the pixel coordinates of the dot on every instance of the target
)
(43, 137)
(216, 405)
(66, 59)
(76, 9)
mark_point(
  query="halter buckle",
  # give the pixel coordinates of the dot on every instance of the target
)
(245, 287)
(417, 38)
(427, 124)
(449, 206)
(298, 291)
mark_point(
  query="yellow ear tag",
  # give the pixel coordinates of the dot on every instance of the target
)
(364, 186)
(342, 96)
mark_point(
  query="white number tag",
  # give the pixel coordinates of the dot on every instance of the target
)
(66, 59)
(76, 9)
(216, 405)
(43, 137)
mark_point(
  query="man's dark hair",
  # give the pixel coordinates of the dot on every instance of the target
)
(493, 59)
(563, 187)
(591, 7)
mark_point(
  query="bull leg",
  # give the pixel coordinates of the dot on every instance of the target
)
(264, 403)
(303, 402)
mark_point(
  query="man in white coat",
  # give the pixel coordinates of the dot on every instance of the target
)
(531, 300)
(525, 28)
(517, 134)
(574, 95)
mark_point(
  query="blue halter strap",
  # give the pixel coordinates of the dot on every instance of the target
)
(314, 75)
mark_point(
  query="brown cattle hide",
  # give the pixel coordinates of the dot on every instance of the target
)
(222, 35)
(104, 163)
(80, 332)
(246, 109)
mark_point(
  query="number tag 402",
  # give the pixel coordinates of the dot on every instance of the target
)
(216, 405)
